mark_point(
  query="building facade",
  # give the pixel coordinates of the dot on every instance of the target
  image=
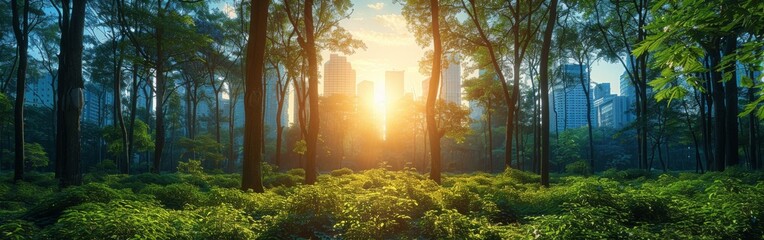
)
(339, 76)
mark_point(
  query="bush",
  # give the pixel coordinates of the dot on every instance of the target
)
(376, 216)
(580, 167)
(122, 220)
(224, 222)
(18, 229)
(341, 172)
(175, 196)
(256, 205)
(46, 212)
(191, 167)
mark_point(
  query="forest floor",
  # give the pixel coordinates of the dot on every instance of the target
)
(382, 204)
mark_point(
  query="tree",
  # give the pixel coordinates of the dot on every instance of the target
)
(432, 130)
(251, 178)
(152, 24)
(544, 86)
(487, 92)
(315, 33)
(70, 93)
(621, 25)
(21, 29)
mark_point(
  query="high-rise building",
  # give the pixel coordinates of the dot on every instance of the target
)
(393, 85)
(451, 75)
(339, 76)
(450, 82)
(97, 104)
(612, 111)
(39, 93)
(568, 103)
(271, 105)
(601, 90)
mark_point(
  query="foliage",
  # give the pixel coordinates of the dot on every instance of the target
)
(191, 167)
(35, 156)
(382, 204)
(579, 167)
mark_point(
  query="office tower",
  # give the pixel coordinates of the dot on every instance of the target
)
(451, 76)
(568, 106)
(601, 90)
(39, 93)
(393, 85)
(271, 104)
(339, 77)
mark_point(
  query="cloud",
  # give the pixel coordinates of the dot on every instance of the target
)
(386, 30)
(393, 22)
(376, 6)
(229, 11)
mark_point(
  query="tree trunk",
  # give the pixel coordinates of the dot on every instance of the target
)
(587, 92)
(123, 162)
(720, 116)
(731, 95)
(432, 94)
(753, 129)
(160, 85)
(313, 116)
(253, 97)
(544, 89)
(21, 32)
(70, 93)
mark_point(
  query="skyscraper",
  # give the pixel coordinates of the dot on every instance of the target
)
(393, 85)
(339, 76)
(451, 75)
(568, 106)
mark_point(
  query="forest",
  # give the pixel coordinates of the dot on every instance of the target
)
(222, 119)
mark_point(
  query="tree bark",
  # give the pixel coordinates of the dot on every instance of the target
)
(70, 93)
(21, 32)
(731, 95)
(544, 90)
(432, 94)
(313, 116)
(720, 116)
(253, 97)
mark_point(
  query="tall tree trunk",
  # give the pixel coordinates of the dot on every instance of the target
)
(313, 116)
(731, 95)
(587, 93)
(251, 178)
(432, 94)
(70, 92)
(124, 161)
(160, 85)
(720, 116)
(753, 128)
(21, 32)
(544, 89)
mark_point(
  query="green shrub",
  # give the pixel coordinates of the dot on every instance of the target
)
(175, 196)
(138, 182)
(122, 220)
(580, 167)
(224, 180)
(341, 172)
(581, 222)
(296, 172)
(46, 212)
(310, 212)
(18, 230)
(376, 216)
(448, 224)
(224, 222)
(191, 167)
(521, 176)
(256, 205)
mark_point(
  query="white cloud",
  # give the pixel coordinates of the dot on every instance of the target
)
(229, 11)
(376, 6)
(394, 22)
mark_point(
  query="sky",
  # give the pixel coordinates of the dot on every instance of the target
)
(391, 46)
